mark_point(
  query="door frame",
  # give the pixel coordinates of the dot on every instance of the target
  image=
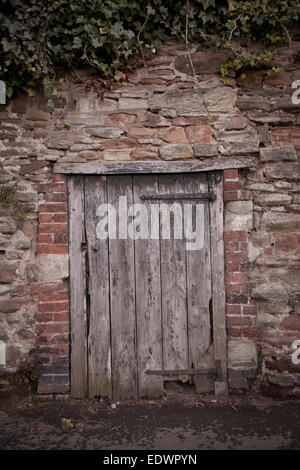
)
(77, 261)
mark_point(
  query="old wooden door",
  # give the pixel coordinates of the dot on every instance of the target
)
(146, 297)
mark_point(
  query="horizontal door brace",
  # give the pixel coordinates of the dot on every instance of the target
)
(211, 371)
(210, 196)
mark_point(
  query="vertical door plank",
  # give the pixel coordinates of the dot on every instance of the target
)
(148, 298)
(173, 287)
(122, 299)
(99, 348)
(77, 288)
(199, 288)
(218, 289)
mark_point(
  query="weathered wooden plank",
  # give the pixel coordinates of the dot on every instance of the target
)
(99, 348)
(173, 284)
(112, 168)
(122, 297)
(77, 288)
(199, 285)
(148, 297)
(218, 287)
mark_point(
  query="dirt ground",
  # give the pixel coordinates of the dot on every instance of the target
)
(177, 422)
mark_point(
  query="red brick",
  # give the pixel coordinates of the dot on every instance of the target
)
(43, 317)
(58, 178)
(53, 306)
(53, 228)
(45, 218)
(251, 332)
(243, 246)
(238, 321)
(51, 328)
(291, 323)
(55, 296)
(61, 339)
(231, 246)
(231, 196)
(231, 267)
(233, 289)
(235, 277)
(44, 249)
(239, 235)
(249, 310)
(45, 238)
(61, 317)
(232, 185)
(234, 309)
(235, 331)
(240, 257)
(231, 174)
(60, 217)
(53, 207)
(52, 188)
(60, 238)
(59, 197)
(52, 287)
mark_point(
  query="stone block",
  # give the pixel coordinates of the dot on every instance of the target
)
(269, 293)
(187, 102)
(21, 242)
(277, 154)
(283, 171)
(239, 215)
(116, 154)
(176, 151)
(10, 305)
(53, 267)
(133, 103)
(280, 221)
(104, 132)
(205, 150)
(272, 199)
(242, 354)
(8, 272)
(203, 62)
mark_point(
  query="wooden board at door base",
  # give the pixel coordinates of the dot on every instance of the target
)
(140, 305)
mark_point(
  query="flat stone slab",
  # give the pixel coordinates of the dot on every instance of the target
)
(203, 62)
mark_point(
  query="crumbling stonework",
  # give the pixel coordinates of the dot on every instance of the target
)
(162, 112)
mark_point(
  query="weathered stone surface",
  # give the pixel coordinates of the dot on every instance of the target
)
(250, 79)
(278, 153)
(173, 135)
(7, 225)
(269, 293)
(32, 167)
(83, 147)
(82, 119)
(10, 305)
(116, 154)
(286, 104)
(53, 267)
(238, 148)
(280, 221)
(133, 103)
(281, 78)
(176, 151)
(288, 172)
(138, 132)
(105, 132)
(282, 380)
(38, 115)
(149, 141)
(235, 123)
(239, 215)
(249, 103)
(242, 354)
(218, 99)
(7, 272)
(123, 118)
(155, 120)
(203, 62)
(272, 118)
(198, 134)
(21, 242)
(272, 199)
(205, 150)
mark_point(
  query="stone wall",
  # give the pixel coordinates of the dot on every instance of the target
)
(162, 112)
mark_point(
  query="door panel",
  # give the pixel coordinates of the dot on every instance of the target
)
(148, 297)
